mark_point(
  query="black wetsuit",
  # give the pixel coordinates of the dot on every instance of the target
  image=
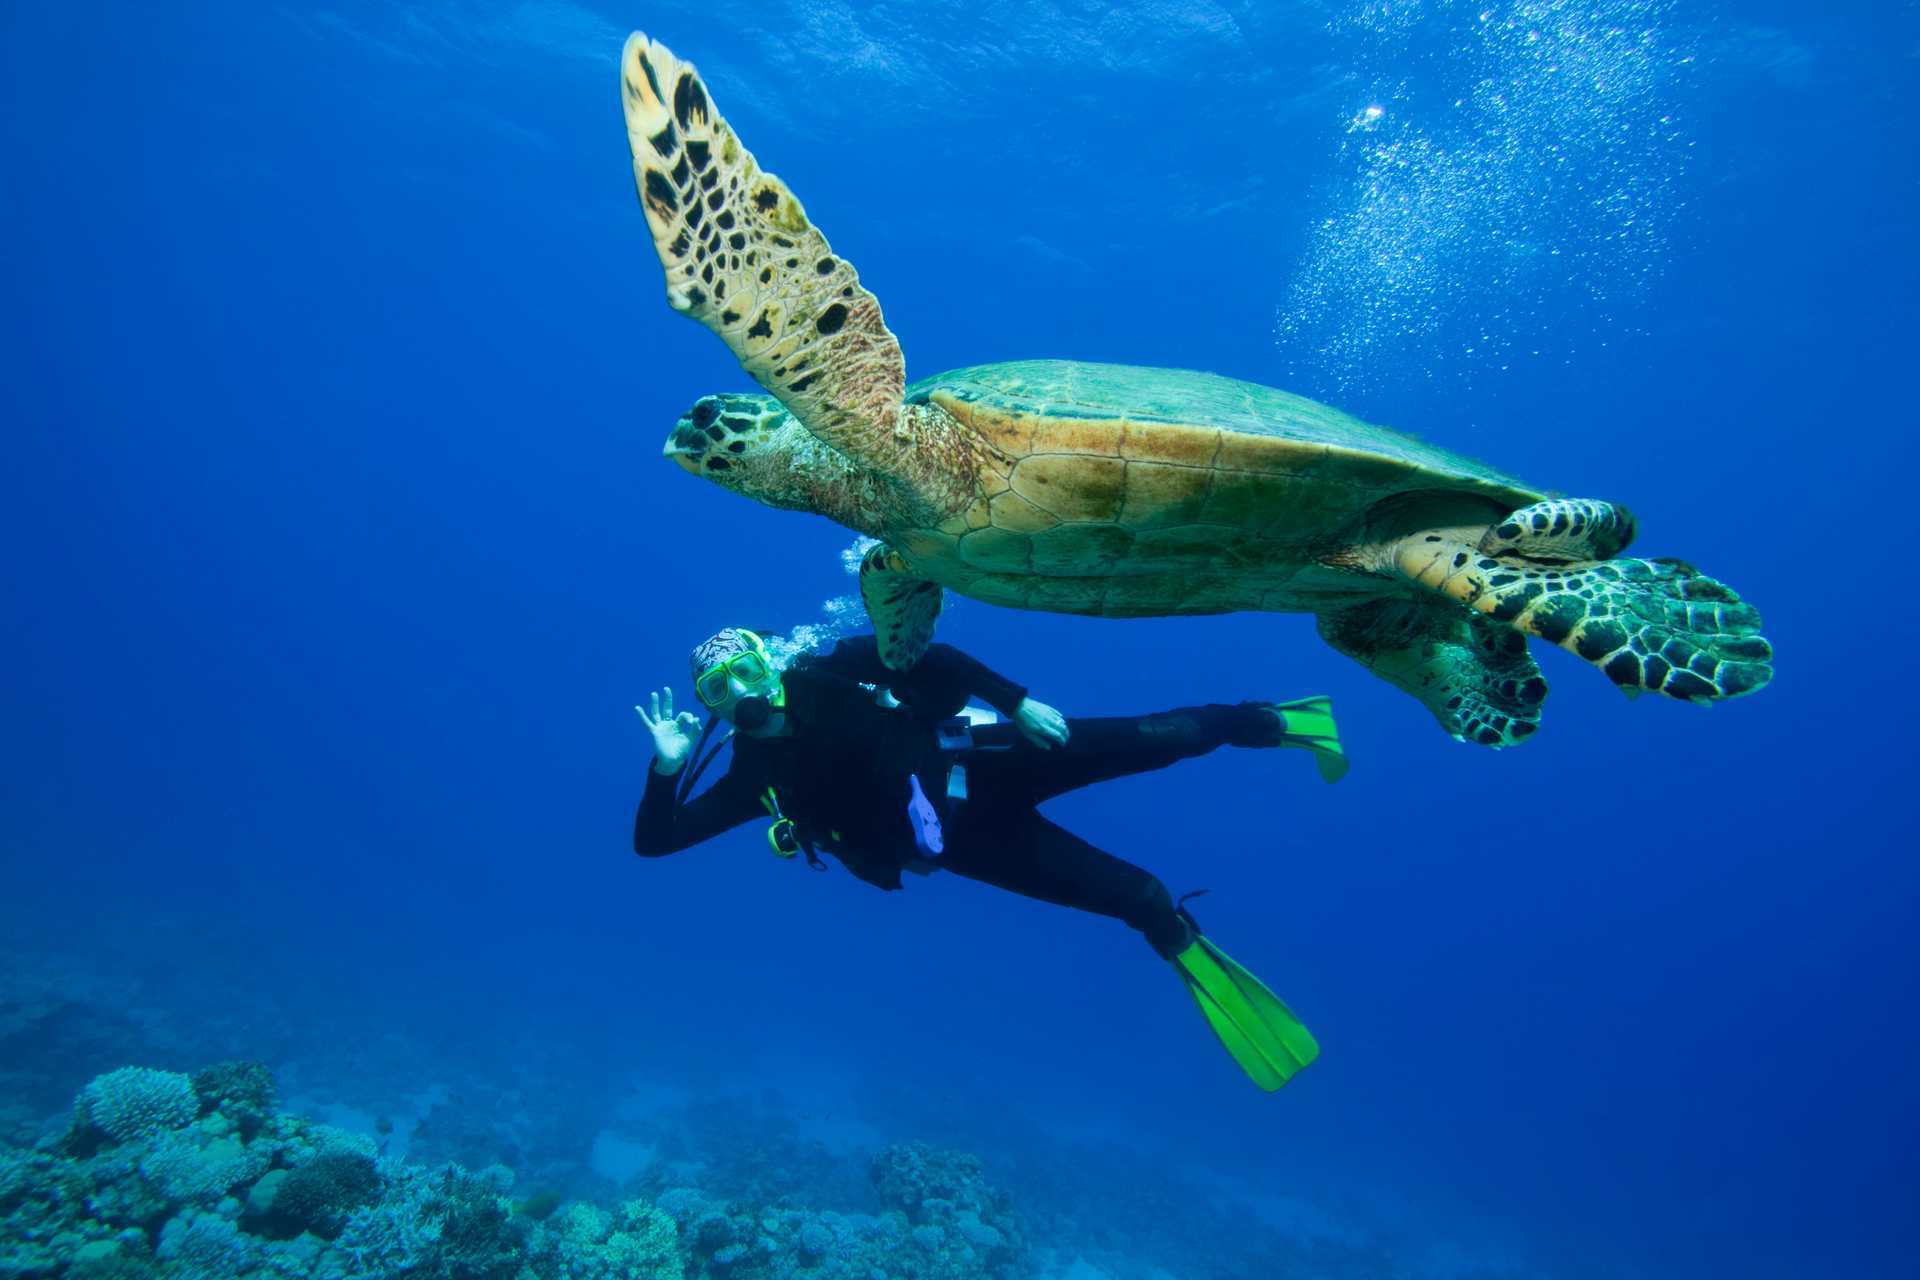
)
(843, 775)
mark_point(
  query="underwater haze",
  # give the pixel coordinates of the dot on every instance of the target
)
(339, 548)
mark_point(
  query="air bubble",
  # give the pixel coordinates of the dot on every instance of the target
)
(1518, 182)
(841, 616)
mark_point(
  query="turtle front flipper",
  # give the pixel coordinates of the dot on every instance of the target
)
(1649, 624)
(741, 258)
(903, 605)
(1475, 675)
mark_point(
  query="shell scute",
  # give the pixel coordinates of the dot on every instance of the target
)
(1166, 442)
(1070, 595)
(1162, 494)
(1198, 544)
(1010, 511)
(1297, 508)
(924, 544)
(1080, 549)
(1239, 499)
(1086, 437)
(1070, 486)
(996, 548)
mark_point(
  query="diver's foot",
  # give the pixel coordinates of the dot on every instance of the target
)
(1303, 722)
(1259, 724)
(1253, 1025)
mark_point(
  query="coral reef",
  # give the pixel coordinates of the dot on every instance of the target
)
(201, 1163)
(319, 1196)
(134, 1102)
(172, 1177)
(241, 1091)
(744, 1242)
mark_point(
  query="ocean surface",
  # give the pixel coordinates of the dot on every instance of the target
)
(338, 548)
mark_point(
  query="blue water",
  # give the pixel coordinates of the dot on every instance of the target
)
(338, 547)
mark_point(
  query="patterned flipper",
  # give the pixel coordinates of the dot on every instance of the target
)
(741, 258)
(1562, 529)
(1474, 675)
(903, 605)
(1649, 624)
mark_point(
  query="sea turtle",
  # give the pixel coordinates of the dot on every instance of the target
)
(1125, 492)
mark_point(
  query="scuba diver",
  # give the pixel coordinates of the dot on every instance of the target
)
(886, 771)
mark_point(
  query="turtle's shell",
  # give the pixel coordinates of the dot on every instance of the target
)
(1121, 490)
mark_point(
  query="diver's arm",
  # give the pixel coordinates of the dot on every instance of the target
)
(663, 826)
(1040, 723)
(949, 664)
(941, 668)
(853, 658)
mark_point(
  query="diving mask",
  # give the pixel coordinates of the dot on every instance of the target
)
(746, 674)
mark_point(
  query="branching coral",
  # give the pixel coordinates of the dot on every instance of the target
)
(322, 1194)
(188, 1165)
(136, 1101)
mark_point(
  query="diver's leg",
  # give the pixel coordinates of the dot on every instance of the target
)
(1022, 851)
(1102, 748)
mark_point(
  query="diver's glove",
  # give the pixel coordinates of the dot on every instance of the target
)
(1306, 723)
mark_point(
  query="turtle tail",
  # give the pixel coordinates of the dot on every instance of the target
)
(1649, 624)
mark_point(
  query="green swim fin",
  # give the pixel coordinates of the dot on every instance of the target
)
(1310, 725)
(1255, 1025)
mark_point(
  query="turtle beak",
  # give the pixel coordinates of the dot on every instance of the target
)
(686, 446)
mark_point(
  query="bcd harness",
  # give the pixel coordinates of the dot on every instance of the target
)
(784, 837)
(954, 735)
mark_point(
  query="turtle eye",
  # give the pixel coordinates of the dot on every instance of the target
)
(717, 464)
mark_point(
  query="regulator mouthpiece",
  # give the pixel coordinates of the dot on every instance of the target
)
(751, 714)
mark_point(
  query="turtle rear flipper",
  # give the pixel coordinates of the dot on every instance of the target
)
(1649, 624)
(1562, 529)
(1474, 675)
(742, 258)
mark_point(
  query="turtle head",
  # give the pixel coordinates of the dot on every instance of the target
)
(753, 446)
(725, 437)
